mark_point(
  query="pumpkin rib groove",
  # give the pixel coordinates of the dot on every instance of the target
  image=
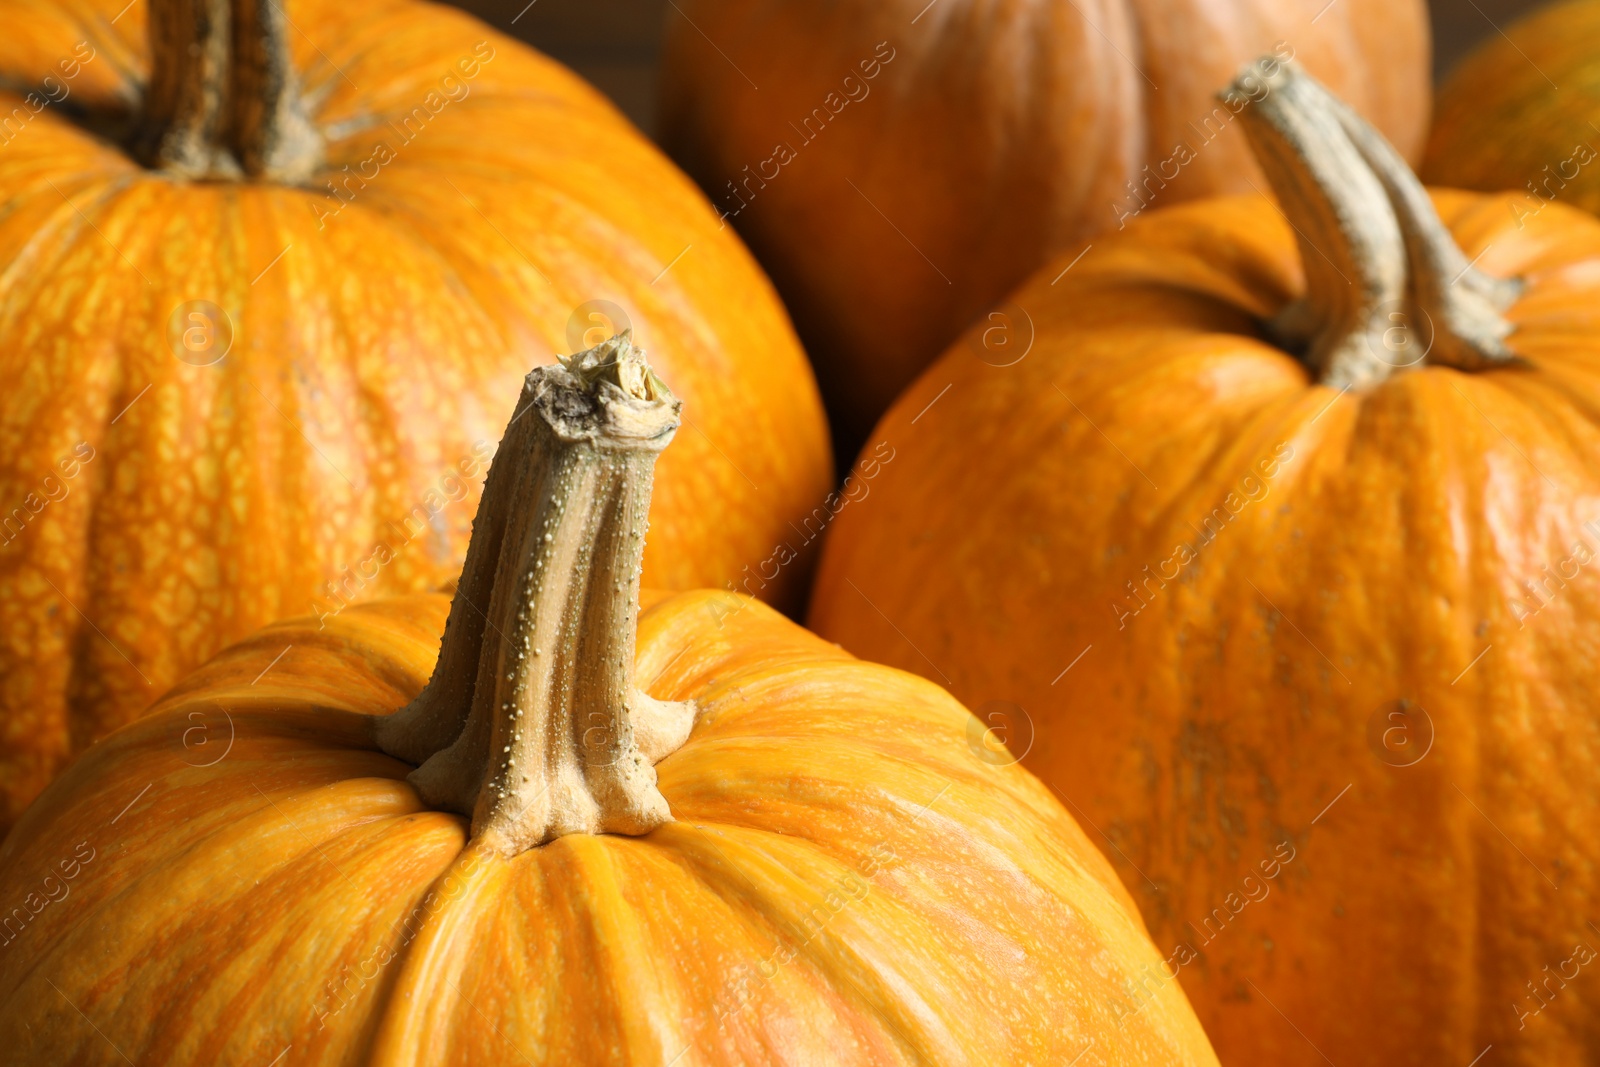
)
(1562, 388)
(769, 906)
(391, 1011)
(958, 780)
(377, 835)
(909, 810)
(1561, 405)
(1258, 426)
(646, 1002)
(52, 234)
(402, 1013)
(829, 743)
(1532, 398)
(379, 421)
(48, 236)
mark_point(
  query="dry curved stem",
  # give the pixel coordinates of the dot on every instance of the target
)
(530, 723)
(223, 99)
(1387, 287)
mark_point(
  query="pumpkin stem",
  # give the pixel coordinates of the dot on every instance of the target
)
(223, 99)
(530, 723)
(1386, 285)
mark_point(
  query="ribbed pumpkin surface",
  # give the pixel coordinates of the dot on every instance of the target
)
(846, 881)
(378, 336)
(1241, 609)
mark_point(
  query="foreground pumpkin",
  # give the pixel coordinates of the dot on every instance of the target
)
(832, 868)
(1301, 619)
(899, 166)
(1521, 113)
(274, 390)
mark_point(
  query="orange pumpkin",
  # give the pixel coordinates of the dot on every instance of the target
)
(243, 398)
(900, 166)
(779, 855)
(1299, 622)
(1520, 113)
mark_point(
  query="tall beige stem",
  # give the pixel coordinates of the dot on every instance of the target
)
(1386, 286)
(530, 722)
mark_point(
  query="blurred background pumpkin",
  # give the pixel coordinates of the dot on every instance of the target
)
(1523, 113)
(1265, 539)
(263, 313)
(900, 167)
(617, 45)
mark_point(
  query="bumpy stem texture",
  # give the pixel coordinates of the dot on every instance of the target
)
(1386, 286)
(530, 722)
(223, 99)
(272, 134)
(191, 44)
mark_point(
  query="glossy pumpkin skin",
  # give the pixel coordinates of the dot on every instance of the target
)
(992, 135)
(344, 436)
(845, 881)
(1364, 549)
(1520, 113)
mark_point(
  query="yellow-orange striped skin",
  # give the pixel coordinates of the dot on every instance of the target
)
(1414, 543)
(846, 883)
(377, 335)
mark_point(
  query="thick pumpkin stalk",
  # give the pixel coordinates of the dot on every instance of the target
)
(1386, 286)
(223, 99)
(530, 723)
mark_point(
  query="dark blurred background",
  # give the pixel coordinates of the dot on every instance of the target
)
(615, 43)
